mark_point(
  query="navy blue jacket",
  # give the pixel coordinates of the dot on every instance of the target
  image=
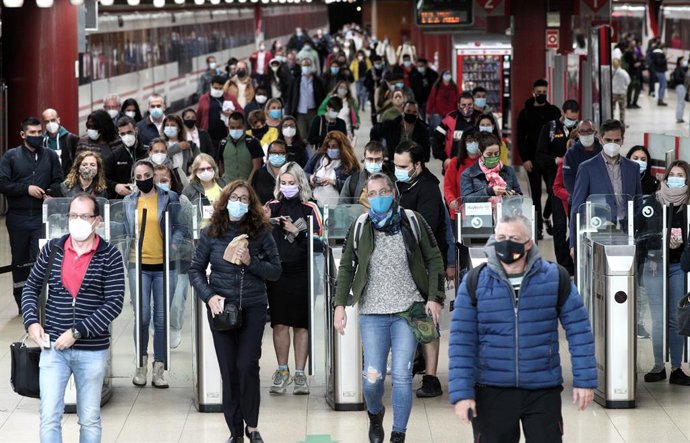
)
(574, 157)
(593, 179)
(473, 184)
(98, 302)
(502, 344)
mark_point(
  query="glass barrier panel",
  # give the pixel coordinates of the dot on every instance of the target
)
(477, 218)
(319, 305)
(608, 212)
(56, 219)
(338, 216)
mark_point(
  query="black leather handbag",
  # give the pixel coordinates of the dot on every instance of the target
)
(24, 371)
(684, 316)
(231, 317)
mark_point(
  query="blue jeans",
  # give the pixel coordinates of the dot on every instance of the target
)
(88, 368)
(152, 288)
(380, 334)
(179, 301)
(661, 76)
(680, 102)
(362, 94)
(676, 291)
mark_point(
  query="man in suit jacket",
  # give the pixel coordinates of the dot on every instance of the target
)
(608, 173)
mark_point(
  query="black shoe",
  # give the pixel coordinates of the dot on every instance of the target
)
(660, 103)
(235, 440)
(636, 106)
(419, 365)
(397, 437)
(431, 387)
(254, 437)
(549, 227)
(680, 121)
(678, 377)
(376, 434)
(642, 332)
(651, 377)
(540, 235)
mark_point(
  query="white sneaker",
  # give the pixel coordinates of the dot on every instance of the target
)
(175, 338)
(139, 378)
(281, 379)
(158, 377)
(301, 385)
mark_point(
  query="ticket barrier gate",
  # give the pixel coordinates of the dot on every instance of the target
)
(606, 276)
(475, 220)
(56, 224)
(344, 390)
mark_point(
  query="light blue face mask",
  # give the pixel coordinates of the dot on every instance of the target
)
(643, 165)
(373, 168)
(333, 154)
(486, 129)
(335, 70)
(480, 102)
(276, 160)
(237, 209)
(569, 123)
(276, 114)
(381, 204)
(402, 175)
(236, 134)
(164, 186)
(472, 148)
(675, 182)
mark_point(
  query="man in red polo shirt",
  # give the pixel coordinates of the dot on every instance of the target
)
(85, 294)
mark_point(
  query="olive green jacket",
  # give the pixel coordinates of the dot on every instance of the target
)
(424, 258)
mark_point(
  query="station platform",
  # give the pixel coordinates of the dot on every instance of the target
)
(152, 415)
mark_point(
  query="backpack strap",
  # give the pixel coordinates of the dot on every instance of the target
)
(471, 281)
(414, 222)
(563, 287)
(357, 233)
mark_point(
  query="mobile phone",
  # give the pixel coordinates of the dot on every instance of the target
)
(46, 341)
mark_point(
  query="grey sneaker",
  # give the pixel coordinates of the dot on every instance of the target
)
(139, 378)
(301, 386)
(281, 379)
(175, 338)
(158, 377)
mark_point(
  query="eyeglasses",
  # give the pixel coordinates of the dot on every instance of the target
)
(378, 161)
(244, 199)
(382, 193)
(205, 169)
(85, 217)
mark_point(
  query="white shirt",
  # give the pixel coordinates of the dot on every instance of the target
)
(620, 81)
(193, 136)
(260, 62)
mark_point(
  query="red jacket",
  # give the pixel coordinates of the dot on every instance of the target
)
(442, 99)
(204, 109)
(451, 181)
(559, 188)
(254, 58)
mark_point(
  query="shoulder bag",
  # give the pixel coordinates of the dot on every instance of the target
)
(231, 317)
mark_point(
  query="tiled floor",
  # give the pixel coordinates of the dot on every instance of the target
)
(150, 415)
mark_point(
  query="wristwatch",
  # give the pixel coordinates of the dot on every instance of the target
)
(76, 334)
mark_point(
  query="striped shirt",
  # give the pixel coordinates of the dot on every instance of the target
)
(98, 303)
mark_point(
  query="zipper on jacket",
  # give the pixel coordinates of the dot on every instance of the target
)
(74, 311)
(514, 300)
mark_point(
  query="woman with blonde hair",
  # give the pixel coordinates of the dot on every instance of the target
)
(288, 297)
(87, 175)
(205, 184)
(331, 166)
(274, 112)
(238, 221)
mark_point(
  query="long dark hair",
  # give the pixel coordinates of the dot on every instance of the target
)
(252, 224)
(462, 146)
(648, 172)
(137, 111)
(490, 117)
(297, 139)
(101, 120)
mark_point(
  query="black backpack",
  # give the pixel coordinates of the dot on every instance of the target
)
(472, 278)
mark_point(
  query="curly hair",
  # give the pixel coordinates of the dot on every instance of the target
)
(252, 224)
(73, 176)
(347, 154)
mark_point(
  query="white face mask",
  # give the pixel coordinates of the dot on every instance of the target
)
(217, 93)
(94, 134)
(587, 140)
(342, 92)
(131, 114)
(205, 176)
(128, 140)
(113, 113)
(159, 158)
(289, 131)
(80, 229)
(261, 99)
(170, 131)
(212, 65)
(612, 149)
(332, 114)
(52, 127)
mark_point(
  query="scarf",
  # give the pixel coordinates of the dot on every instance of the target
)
(389, 222)
(671, 196)
(493, 178)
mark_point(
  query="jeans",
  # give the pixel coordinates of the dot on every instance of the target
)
(24, 232)
(680, 102)
(676, 291)
(88, 368)
(179, 301)
(362, 94)
(380, 334)
(152, 287)
(661, 76)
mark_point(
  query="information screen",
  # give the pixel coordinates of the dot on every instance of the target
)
(444, 12)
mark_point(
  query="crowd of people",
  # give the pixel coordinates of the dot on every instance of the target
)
(271, 142)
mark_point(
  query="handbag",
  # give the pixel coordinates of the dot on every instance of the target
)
(24, 372)
(684, 316)
(421, 324)
(231, 317)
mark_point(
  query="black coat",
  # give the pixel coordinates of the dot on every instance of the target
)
(225, 277)
(389, 132)
(319, 94)
(206, 145)
(68, 146)
(421, 84)
(118, 167)
(264, 183)
(553, 141)
(530, 121)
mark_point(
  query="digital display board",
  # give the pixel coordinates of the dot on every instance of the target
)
(444, 12)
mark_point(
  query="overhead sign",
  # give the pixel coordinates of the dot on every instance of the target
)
(489, 5)
(552, 38)
(444, 13)
(596, 5)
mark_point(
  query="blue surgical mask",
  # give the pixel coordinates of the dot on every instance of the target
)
(400, 85)
(402, 175)
(486, 129)
(276, 160)
(447, 77)
(381, 204)
(276, 114)
(156, 113)
(675, 182)
(306, 70)
(335, 70)
(472, 148)
(164, 186)
(378, 66)
(480, 102)
(643, 165)
(373, 168)
(333, 154)
(237, 209)
(569, 123)
(236, 134)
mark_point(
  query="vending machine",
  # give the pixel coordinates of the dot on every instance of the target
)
(486, 64)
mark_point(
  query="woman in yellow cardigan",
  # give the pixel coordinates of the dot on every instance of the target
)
(359, 67)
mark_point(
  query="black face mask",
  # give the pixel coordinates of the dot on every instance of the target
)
(145, 186)
(241, 73)
(509, 251)
(259, 133)
(35, 141)
(410, 118)
(540, 98)
(190, 123)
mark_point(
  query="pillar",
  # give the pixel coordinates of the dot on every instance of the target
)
(39, 53)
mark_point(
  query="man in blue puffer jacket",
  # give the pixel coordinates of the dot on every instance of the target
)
(504, 358)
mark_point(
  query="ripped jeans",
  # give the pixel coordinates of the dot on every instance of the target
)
(380, 333)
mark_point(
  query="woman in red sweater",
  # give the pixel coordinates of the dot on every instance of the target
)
(468, 153)
(442, 99)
